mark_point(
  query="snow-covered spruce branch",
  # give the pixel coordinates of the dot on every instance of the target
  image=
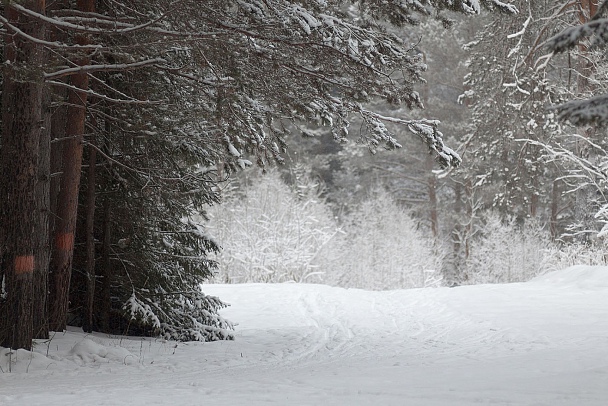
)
(48, 44)
(194, 78)
(126, 28)
(568, 38)
(362, 45)
(502, 6)
(308, 72)
(587, 111)
(62, 24)
(112, 89)
(102, 68)
(111, 159)
(424, 128)
(101, 96)
(295, 41)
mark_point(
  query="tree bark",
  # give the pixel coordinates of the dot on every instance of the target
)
(106, 271)
(43, 249)
(22, 122)
(585, 202)
(87, 324)
(63, 249)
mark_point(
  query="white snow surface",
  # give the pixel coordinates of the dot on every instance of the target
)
(544, 342)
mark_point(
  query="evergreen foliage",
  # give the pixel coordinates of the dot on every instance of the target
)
(594, 30)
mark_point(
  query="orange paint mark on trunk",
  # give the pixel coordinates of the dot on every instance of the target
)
(64, 241)
(24, 264)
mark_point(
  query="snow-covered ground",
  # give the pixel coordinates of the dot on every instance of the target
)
(543, 342)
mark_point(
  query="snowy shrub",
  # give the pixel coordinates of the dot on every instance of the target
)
(381, 248)
(566, 255)
(507, 252)
(271, 232)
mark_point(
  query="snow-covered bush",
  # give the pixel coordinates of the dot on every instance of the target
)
(507, 252)
(566, 255)
(270, 232)
(381, 248)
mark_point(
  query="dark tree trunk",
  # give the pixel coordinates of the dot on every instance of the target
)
(87, 319)
(43, 250)
(67, 208)
(105, 305)
(57, 137)
(58, 120)
(22, 121)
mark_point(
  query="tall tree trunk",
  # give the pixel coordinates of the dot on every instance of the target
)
(58, 121)
(22, 120)
(106, 272)
(87, 324)
(43, 249)
(63, 249)
(585, 202)
(57, 137)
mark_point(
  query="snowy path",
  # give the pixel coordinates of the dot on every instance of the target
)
(540, 343)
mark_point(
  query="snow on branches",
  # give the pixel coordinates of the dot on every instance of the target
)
(588, 111)
(595, 109)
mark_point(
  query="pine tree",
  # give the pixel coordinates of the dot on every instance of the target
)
(21, 205)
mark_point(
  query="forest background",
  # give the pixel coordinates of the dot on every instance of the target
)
(527, 200)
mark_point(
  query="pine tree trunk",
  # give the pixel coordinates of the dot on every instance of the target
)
(585, 202)
(87, 325)
(63, 249)
(57, 137)
(58, 120)
(22, 121)
(43, 250)
(106, 272)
